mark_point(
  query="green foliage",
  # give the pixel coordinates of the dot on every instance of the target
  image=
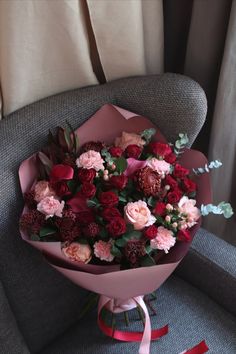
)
(147, 261)
(121, 164)
(46, 231)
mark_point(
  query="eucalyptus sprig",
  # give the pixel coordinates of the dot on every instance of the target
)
(147, 134)
(222, 208)
(207, 168)
(180, 144)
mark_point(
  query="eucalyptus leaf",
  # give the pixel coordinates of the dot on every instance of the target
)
(206, 169)
(222, 208)
(147, 134)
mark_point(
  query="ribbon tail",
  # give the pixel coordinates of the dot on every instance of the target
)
(200, 348)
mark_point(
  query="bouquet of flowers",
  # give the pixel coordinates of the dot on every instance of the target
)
(116, 203)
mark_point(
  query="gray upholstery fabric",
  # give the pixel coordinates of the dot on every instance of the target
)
(210, 265)
(43, 303)
(191, 316)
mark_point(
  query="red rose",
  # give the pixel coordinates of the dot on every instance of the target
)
(85, 217)
(151, 232)
(170, 181)
(184, 235)
(171, 158)
(86, 175)
(61, 172)
(180, 171)
(118, 182)
(108, 199)
(110, 213)
(61, 188)
(160, 209)
(87, 190)
(133, 151)
(115, 151)
(174, 196)
(116, 227)
(188, 185)
(160, 149)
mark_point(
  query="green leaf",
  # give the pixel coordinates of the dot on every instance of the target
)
(72, 186)
(68, 139)
(115, 251)
(159, 219)
(132, 235)
(103, 233)
(121, 242)
(45, 161)
(121, 164)
(34, 237)
(148, 249)
(147, 261)
(147, 134)
(151, 201)
(122, 199)
(83, 241)
(46, 231)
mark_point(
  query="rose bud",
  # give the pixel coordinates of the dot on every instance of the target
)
(184, 235)
(171, 158)
(160, 209)
(151, 232)
(133, 151)
(189, 186)
(87, 190)
(110, 213)
(174, 196)
(116, 227)
(115, 151)
(86, 175)
(180, 171)
(160, 149)
(108, 199)
(118, 182)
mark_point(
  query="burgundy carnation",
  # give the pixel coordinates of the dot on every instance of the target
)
(87, 190)
(160, 209)
(116, 227)
(134, 250)
(61, 188)
(108, 199)
(118, 182)
(110, 213)
(115, 151)
(171, 158)
(85, 217)
(189, 186)
(151, 232)
(160, 149)
(174, 196)
(180, 171)
(133, 151)
(86, 175)
(61, 172)
(184, 235)
(91, 230)
(92, 145)
(171, 182)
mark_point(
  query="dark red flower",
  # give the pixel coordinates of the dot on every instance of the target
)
(160, 149)
(184, 235)
(70, 234)
(118, 182)
(174, 196)
(77, 203)
(133, 151)
(170, 181)
(87, 190)
(110, 213)
(188, 185)
(61, 172)
(115, 151)
(134, 250)
(160, 209)
(148, 181)
(32, 221)
(86, 175)
(92, 145)
(171, 158)
(91, 230)
(29, 199)
(116, 227)
(151, 232)
(108, 199)
(180, 171)
(85, 217)
(61, 188)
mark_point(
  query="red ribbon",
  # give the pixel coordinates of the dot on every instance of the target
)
(200, 348)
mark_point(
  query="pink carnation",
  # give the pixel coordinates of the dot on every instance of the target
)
(187, 206)
(91, 159)
(42, 190)
(160, 166)
(164, 239)
(102, 250)
(50, 206)
(127, 139)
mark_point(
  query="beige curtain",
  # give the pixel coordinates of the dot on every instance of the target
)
(49, 46)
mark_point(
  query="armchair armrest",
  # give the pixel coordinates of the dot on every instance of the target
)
(210, 265)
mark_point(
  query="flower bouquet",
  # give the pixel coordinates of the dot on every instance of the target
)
(115, 209)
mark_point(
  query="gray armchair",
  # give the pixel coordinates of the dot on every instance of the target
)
(39, 308)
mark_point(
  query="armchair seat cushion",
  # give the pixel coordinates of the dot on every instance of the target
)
(191, 316)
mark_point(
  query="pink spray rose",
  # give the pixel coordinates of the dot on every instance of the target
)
(91, 159)
(102, 250)
(138, 214)
(160, 166)
(42, 190)
(50, 206)
(78, 252)
(164, 239)
(187, 206)
(127, 139)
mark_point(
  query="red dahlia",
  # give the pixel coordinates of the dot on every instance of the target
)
(148, 181)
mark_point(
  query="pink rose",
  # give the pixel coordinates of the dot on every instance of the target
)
(138, 214)
(160, 166)
(91, 159)
(50, 206)
(78, 252)
(164, 239)
(102, 250)
(127, 139)
(42, 190)
(187, 206)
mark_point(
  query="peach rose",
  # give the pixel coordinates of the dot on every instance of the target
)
(78, 252)
(160, 166)
(50, 206)
(138, 214)
(187, 206)
(42, 190)
(164, 239)
(102, 250)
(127, 139)
(90, 159)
